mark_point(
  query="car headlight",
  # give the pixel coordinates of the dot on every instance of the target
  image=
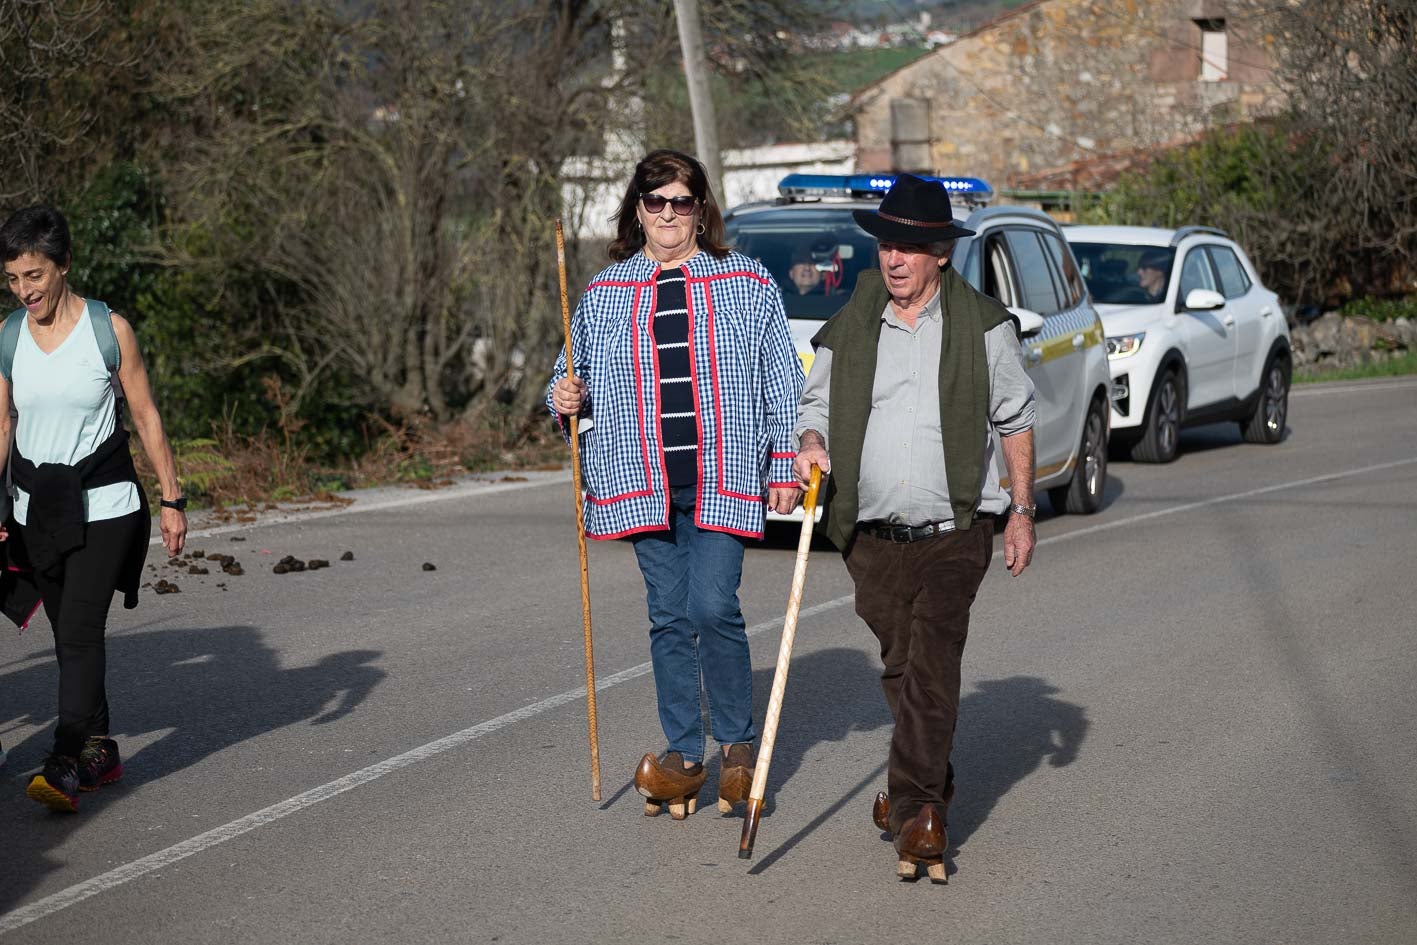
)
(1124, 346)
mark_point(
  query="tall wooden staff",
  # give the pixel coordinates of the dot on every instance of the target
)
(779, 677)
(580, 529)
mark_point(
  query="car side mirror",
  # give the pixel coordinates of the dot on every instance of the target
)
(1029, 322)
(1204, 299)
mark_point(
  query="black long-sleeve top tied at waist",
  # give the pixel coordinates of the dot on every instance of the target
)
(55, 519)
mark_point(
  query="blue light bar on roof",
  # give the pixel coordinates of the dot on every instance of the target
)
(873, 185)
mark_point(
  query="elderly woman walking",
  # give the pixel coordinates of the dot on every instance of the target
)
(80, 519)
(686, 383)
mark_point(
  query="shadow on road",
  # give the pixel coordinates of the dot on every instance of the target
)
(1201, 439)
(830, 694)
(1007, 728)
(206, 688)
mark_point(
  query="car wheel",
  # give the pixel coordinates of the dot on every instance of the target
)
(1083, 493)
(1162, 435)
(1266, 424)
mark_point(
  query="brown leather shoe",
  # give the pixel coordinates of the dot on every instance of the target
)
(881, 811)
(735, 777)
(922, 840)
(666, 781)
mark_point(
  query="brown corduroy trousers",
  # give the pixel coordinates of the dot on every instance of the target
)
(915, 597)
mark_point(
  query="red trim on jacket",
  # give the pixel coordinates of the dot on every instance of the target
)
(718, 401)
(640, 395)
(659, 397)
(628, 532)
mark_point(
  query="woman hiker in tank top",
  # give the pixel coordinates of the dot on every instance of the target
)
(80, 521)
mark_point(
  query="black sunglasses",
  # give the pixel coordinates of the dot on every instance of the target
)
(683, 205)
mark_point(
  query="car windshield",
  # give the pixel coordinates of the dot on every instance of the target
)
(815, 254)
(1124, 273)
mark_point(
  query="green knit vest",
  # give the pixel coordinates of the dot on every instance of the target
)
(853, 335)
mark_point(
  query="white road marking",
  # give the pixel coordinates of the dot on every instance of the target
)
(163, 858)
(204, 841)
(1233, 497)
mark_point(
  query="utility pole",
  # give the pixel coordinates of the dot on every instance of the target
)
(691, 43)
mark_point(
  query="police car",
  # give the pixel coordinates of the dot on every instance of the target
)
(808, 239)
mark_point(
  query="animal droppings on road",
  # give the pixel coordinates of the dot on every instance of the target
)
(238, 537)
(347, 556)
(429, 566)
(315, 564)
(199, 554)
(166, 587)
(194, 569)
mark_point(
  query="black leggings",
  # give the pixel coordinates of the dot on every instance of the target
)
(76, 599)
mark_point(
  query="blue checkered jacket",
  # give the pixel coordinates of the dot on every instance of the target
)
(746, 377)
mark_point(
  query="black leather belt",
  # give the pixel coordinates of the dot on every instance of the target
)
(888, 531)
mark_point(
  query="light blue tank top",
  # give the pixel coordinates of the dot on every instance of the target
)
(67, 408)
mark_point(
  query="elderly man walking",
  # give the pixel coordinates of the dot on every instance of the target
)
(908, 380)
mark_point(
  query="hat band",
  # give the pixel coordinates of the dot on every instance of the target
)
(909, 222)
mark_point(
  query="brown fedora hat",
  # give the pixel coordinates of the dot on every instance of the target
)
(914, 211)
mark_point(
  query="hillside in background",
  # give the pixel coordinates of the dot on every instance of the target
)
(957, 16)
(847, 70)
(852, 70)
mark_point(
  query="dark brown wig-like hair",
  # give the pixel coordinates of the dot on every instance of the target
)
(655, 170)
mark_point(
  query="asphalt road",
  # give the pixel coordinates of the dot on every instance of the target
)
(1192, 720)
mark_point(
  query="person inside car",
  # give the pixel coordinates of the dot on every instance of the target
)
(816, 269)
(1153, 274)
(804, 273)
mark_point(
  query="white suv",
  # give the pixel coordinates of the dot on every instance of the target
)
(808, 239)
(1192, 335)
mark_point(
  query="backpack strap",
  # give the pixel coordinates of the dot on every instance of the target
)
(107, 343)
(10, 338)
(107, 337)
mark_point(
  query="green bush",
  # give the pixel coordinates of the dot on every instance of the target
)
(1382, 310)
(1275, 189)
(112, 224)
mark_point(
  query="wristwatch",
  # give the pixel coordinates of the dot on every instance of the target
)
(1027, 511)
(179, 503)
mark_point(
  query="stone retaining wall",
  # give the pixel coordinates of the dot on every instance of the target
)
(1335, 342)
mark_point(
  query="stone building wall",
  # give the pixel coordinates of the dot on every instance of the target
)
(1059, 81)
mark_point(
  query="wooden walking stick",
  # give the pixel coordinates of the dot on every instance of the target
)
(779, 677)
(580, 529)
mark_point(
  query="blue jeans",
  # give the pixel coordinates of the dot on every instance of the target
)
(691, 582)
